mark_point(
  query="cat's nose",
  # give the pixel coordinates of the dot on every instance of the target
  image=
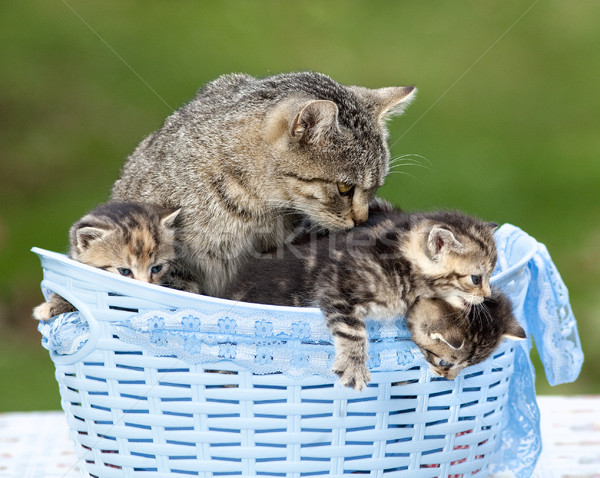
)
(359, 220)
(360, 215)
(360, 206)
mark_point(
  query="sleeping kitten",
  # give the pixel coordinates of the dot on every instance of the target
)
(452, 339)
(247, 159)
(130, 239)
(378, 270)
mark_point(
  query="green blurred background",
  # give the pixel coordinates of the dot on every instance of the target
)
(505, 125)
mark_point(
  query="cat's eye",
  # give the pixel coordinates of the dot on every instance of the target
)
(124, 271)
(476, 279)
(443, 363)
(344, 188)
(156, 269)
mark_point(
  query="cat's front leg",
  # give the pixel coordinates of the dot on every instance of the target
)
(350, 339)
(56, 305)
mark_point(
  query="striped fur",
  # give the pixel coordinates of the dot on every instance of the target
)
(452, 339)
(132, 239)
(248, 159)
(378, 269)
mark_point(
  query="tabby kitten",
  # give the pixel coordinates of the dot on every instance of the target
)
(130, 239)
(378, 270)
(247, 159)
(452, 339)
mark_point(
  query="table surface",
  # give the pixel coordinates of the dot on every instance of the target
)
(37, 444)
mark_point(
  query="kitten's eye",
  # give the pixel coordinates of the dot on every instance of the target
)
(344, 188)
(476, 279)
(156, 269)
(124, 271)
(443, 363)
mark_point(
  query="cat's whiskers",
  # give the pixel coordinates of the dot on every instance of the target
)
(283, 215)
(411, 160)
(412, 176)
(408, 160)
(308, 211)
(315, 229)
(399, 168)
(411, 156)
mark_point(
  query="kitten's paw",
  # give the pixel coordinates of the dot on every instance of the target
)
(43, 311)
(355, 375)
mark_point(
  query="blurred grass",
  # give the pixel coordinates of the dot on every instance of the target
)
(505, 125)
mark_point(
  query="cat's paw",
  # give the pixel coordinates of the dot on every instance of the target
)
(355, 375)
(43, 311)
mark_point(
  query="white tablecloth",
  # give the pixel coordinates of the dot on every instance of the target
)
(37, 444)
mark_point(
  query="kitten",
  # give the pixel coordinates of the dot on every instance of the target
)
(452, 339)
(247, 159)
(130, 239)
(377, 270)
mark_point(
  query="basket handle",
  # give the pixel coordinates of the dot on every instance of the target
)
(86, 315)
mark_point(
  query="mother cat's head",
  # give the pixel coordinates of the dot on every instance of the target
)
(329, 145)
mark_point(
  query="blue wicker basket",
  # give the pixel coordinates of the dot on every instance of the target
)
(143, 410)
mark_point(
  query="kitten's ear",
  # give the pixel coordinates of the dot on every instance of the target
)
(168, 221)
(514, 331)
(315, 121)
(492, 225)
(386, 102)
(84, 236)
(441, 239)
(454, 342)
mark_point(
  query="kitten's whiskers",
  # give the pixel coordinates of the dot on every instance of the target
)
(486, 312)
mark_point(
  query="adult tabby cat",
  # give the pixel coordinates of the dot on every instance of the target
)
(452, 339)
(130, 239)
(378, 270)
(248, 158)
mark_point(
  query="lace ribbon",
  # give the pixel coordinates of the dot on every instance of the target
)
(544, 311)
(64, 334)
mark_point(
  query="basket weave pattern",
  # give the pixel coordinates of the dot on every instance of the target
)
(132, 414)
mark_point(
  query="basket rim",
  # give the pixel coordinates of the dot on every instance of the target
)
(134, 287)
(188, 299)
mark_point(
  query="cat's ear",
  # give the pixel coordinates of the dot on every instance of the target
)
(168, 221)
(394, 100)
(514, 331)
(454, 342)
(492, 225)
(84, 236)
(441, 239)
(315, 121)
(386, 102)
